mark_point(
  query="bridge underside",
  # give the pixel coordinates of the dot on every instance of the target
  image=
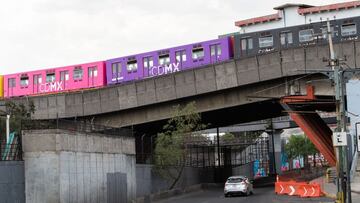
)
(235, 115)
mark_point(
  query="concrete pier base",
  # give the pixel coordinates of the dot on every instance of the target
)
(64, 166)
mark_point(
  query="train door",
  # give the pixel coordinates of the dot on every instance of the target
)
(64, 79)
(148, 64)
(286, 39)
(215, 53)
(92, 76)
(180, 57)
(116, 72)
(246, 46)
(11, 86)
(36, 83)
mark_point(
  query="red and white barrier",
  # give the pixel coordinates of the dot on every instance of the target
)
(301, 189)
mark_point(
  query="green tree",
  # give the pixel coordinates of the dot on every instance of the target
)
(227, 137)
(300, 145)
(171, 145)
(18, 113)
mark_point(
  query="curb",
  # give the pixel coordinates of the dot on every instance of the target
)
(332, 196)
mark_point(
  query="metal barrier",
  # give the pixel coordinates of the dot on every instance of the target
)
(302, 189)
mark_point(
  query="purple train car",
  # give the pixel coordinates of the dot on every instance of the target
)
(166, 61)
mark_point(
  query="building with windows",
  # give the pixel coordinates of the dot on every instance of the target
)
(297, 25)
(288, 15)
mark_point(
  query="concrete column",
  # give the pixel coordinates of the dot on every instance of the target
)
(65, 166)
(275, 151)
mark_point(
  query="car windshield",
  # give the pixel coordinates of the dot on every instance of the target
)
(235, 180)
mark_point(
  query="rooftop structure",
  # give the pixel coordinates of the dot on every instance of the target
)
(297, 14)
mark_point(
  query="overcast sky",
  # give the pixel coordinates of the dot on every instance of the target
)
(38, 34)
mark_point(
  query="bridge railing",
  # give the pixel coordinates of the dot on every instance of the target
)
(78, 126)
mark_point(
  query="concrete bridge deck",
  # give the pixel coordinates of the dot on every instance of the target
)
(226, 86)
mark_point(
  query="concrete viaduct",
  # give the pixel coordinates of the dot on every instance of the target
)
(236, 91)
(227, 93)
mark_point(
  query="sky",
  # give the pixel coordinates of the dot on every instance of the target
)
(39, 34)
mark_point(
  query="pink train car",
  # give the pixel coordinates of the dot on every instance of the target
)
(55, 80)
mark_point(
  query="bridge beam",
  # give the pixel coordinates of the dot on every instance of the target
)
(311, 123)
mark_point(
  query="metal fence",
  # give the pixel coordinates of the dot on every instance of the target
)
(78, 126)
(11, 150)
(209, 155)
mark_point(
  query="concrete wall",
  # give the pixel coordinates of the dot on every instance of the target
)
(12, 182)
(244, 170)
(149, 182)
(63, 166)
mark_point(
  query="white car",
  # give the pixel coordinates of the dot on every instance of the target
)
(238, 185)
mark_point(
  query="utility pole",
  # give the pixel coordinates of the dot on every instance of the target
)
(7, 128)
(343, 182)
(7, 125)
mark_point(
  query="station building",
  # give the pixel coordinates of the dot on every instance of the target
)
(288, 15)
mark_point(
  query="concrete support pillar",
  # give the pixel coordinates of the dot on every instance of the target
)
(67, 166)
(275, 151)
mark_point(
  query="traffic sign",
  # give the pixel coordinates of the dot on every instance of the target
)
(339, 139)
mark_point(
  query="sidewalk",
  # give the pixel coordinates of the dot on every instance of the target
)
(329, 189)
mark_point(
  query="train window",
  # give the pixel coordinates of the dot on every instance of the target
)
(64, 75)
(198, 53)
(164, 59)
(266, 41)
(348, 30)
(50, 77)
(215, 50)
(324, 32)
(148, 62)
(180, 56)
(131, 66)
(92, 71)
(24, 81)
(12, 82)
(286, 38)
(116, 67)
(78, 74)
(246, 43)
(306, 35)
(37, 79)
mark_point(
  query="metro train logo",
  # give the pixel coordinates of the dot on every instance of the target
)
(51, 87)
(161, 70)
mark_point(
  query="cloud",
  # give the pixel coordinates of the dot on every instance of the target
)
(38, 34)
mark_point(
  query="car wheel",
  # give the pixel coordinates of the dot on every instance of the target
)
(226, 195)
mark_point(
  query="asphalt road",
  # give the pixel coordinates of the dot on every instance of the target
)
(216, 195)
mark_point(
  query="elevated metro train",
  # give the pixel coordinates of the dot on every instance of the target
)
(166, 61)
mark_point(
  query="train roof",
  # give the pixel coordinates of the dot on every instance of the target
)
(169, 48)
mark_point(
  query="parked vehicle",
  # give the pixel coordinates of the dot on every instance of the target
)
(238, 185)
